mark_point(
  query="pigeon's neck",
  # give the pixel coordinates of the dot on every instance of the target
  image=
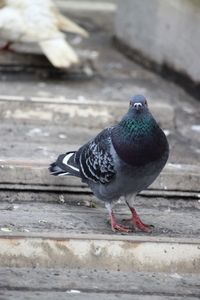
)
(138, 140)
(137, 126)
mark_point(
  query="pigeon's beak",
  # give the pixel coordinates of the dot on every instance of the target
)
(137, 106)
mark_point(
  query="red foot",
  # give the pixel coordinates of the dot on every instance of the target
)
(138, 223)
(118, 227)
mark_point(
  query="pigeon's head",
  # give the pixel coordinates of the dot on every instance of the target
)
(138, 104)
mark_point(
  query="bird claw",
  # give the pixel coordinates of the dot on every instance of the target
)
(120, 228)
(137, 223)
(142, 226)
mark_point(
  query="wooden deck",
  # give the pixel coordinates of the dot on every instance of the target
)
(55, 241)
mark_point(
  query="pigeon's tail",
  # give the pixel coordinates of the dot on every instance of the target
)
(59, 52)
(65, 165)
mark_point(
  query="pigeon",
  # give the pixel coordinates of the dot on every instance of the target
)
(120, 161)
(39, 21)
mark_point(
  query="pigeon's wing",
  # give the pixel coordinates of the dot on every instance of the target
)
(95, 160)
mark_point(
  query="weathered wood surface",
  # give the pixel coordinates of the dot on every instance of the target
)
(49, 126)
(45, 112)
(70, 112)
(76, 216)
(125, 253)
(12, 295)
(92, 284)
(35, 173)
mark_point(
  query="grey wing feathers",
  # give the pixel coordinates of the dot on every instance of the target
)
(95, 161)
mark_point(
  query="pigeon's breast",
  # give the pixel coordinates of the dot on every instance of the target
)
(140, 150)
(133, 179)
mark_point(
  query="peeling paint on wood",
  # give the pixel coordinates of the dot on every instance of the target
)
(71, 112)
(126, 254)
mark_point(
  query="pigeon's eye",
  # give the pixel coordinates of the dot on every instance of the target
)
(130, 103)
(145, 102)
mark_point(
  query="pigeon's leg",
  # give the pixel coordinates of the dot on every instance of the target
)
(135, 217)
(114, 224)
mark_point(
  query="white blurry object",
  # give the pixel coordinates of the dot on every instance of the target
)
(39, 21)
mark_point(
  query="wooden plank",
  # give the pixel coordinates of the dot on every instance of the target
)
(94, 6)
(102, 252)
(13, 295)
(28, 59)
(175, 177)
(71, 112)
(74, 216)
(79, 196)
(96, 283)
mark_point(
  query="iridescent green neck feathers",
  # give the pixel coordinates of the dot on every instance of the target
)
(137, 126)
